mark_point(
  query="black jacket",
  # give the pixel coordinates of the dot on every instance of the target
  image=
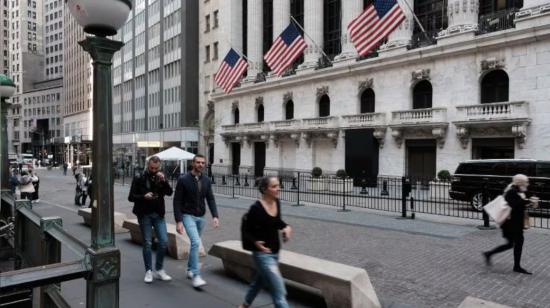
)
(188, 199)
(514, 225)
(144, 184)
(260, 226)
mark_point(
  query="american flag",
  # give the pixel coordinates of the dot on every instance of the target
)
(375, 24)
(285, 50)
(230, 71)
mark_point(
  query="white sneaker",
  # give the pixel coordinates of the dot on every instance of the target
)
(189, 275)
(161, 275)
(37, 200)
(148, 277)
(198, 282)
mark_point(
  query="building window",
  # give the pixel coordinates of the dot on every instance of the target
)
(324, 106)
(207, 24)
(236, 116)
(422, 95)
(432, 14)
(495, 87)
(260, 113)
(244, 26)
(207, 54)
(367, 101)
(332, 25)
(216, 20)
(289, 110)
(215, 52)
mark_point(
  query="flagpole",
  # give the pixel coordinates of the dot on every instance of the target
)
(314, 43)
(417, 20)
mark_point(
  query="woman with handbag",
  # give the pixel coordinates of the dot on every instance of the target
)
(512, 228)
(264, 223)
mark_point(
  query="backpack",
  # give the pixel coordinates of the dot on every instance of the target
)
(246, 239)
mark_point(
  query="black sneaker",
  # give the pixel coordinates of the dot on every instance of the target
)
(522, 271)
(487, 258)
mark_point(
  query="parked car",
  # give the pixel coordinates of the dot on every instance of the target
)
(472, 176)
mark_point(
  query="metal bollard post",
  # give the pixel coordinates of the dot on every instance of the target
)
(364, 187)
(246, 180)
(237, 182)
(485, 199)
(294, 184)
(223, 180)
(343, 197)
(404, 197)
(233, 188)
(412, 208)
(213, 179)
(298, 192)
(282, 185)
(385, 189)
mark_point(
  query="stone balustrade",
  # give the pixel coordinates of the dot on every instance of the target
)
(419, 116)
(494, 111)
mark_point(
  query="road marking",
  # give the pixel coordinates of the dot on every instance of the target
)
(60, 206)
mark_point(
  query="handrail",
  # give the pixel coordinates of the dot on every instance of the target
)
(67, 239)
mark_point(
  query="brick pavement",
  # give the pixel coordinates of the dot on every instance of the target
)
(419, 264)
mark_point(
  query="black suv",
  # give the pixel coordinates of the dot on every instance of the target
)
(470, 177)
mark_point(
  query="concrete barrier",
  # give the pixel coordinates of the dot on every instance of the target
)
(86, 214)
(341, 285)
(178, 244)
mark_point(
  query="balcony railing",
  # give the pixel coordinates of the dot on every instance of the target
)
(419, 116)
(364, 120)
(494, 111)
(285, 124)
(419, 40)
(254, 126)
(229, 128)
(497, 21)
(324, 122)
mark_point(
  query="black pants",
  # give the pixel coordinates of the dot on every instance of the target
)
(514, 241)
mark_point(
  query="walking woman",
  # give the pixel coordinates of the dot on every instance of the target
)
(512, 229)
(263, 224)
(25, 186)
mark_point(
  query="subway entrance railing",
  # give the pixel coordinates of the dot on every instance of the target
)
(35, 258)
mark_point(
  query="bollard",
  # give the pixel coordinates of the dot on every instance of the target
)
(237, 181)
(246, 180)
(223, 180)
(294, 184)
(213, 179)
(385, 189)
(233, 188)
(412, 208)
(404, 194)
(298, 192)
(364, 187)
(344, 197)
(281, 182)
(485, 199)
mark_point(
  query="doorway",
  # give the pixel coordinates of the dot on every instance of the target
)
(421, 159)
(236, 157)
(361, 156)
(259, 159)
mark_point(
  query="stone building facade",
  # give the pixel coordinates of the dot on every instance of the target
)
(479, 87)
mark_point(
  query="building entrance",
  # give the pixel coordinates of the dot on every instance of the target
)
(361, 155)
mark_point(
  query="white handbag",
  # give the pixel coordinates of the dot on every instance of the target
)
(498, 210)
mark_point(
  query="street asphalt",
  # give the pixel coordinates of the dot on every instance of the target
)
(432, 261)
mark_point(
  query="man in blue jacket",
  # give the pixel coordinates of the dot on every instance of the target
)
(189, 210)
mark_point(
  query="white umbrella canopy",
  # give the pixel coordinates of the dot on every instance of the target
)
(174, 153)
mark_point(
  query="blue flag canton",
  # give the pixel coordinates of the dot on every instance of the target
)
(232, 58)
(290, 34)
(383, 6)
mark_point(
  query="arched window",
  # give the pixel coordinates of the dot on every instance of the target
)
(236, 115)
(260, 113)
(289, 110)
(494, 87)
(422, 95)
(367, 101)
(324, 106)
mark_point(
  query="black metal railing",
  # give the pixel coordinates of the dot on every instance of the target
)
(497, 21)
(403, 195)
(37, 248)
(421, 39)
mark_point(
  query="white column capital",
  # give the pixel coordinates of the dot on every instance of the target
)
(400, 38)
(463, 18)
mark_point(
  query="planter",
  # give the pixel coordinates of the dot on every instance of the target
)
(339, 185)
(439, 190)
(317, 184)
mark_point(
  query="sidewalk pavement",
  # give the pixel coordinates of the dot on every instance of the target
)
(420, 263)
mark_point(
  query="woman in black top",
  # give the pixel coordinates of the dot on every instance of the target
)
(512, 229)
(263, 226)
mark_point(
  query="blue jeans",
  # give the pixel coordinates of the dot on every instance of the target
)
(146, 223)
(267, 274)
(193, 227)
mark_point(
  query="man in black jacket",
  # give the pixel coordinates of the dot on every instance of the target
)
(189, 209)
(147, 193)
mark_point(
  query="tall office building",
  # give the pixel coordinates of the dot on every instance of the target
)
(155, 79)
(53, 38)
(77, 94)
(4, 36)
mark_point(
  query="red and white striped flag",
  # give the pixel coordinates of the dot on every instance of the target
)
(231, 70)
(375, 24)
(285, 50)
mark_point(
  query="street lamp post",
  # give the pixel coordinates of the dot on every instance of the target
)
(102, 18)
(7, 88)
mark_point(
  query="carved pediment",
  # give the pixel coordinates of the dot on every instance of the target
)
(234, 105)
(491, 64)
(259, 101)
(287, 96)
(420, 75)
(322, 91)
(365, 84)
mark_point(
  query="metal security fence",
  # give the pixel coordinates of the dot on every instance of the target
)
(404, 195)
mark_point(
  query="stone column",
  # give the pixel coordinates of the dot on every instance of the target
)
(313, 25)
(254, 38)
(281, 16)
(401, 37)
(231, 25)
(350, 10)
(463, 19)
